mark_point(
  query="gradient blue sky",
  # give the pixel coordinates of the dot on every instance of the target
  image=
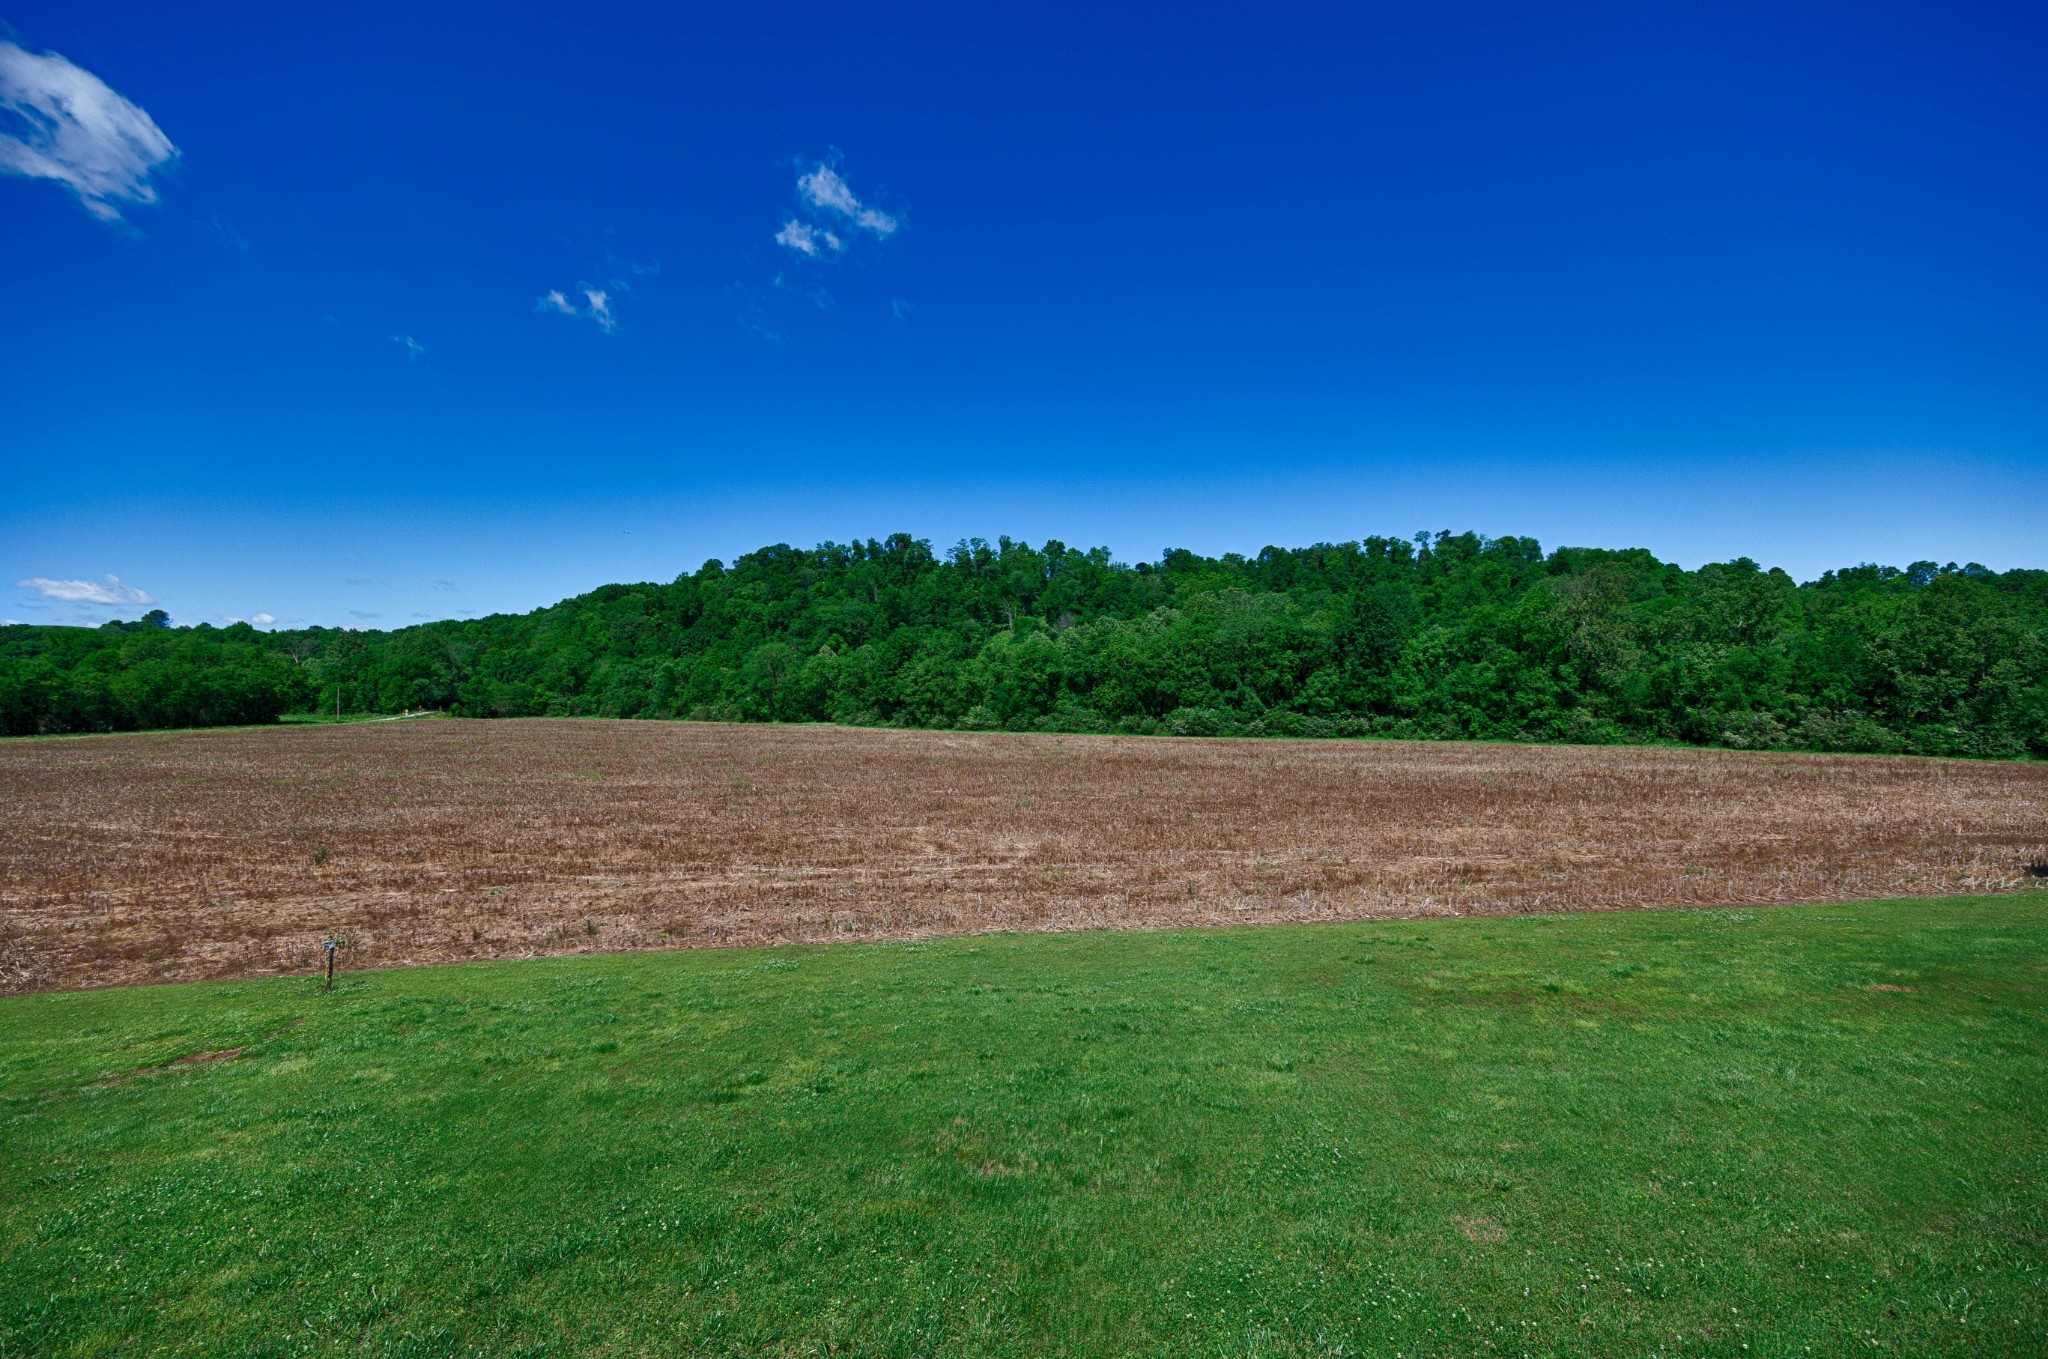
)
(1717, 280)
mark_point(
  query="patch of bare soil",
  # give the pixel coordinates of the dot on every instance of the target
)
(234, 853)
(178, 1063)
(1484, 1230)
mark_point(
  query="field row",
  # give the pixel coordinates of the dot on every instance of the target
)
(233, 853)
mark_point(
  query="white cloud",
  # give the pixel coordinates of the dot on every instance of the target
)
(806, 239)
(58, 121)
(262, 620)
(823, 188)
(414, 350)
(597, 306)
(86, 591)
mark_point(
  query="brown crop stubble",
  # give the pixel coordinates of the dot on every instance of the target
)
(170, 857)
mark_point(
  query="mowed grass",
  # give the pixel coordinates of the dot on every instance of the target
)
(1763, 1132)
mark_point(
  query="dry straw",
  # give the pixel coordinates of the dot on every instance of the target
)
(215, 854)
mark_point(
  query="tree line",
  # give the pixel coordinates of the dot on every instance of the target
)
(1437, 636)
(129, 676)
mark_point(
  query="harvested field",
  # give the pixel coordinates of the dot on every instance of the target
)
(232, 853)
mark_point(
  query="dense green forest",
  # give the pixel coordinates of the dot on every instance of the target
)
(1441, 636)
(127, 676)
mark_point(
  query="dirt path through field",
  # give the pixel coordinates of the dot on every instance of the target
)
(232, 853)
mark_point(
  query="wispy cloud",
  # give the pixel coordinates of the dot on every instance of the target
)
(414, 350)
(443, 583)
(755, 322)
(111, 591)
(806, 239)
(823, 188)
(595, 304)
(225, 234)
(64, 123)
(262, 620)
(822, 192)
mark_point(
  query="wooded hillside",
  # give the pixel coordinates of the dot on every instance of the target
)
(1441, 636)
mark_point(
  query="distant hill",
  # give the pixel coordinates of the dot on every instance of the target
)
(1439, 636)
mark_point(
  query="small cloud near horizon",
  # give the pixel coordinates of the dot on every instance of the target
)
(112, 591)
(69, 126)
(443, 583)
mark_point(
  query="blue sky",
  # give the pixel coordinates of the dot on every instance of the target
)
(301, 322)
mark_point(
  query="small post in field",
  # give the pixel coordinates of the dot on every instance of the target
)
(330, 945)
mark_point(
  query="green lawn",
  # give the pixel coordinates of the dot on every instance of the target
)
(1634, 1134)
